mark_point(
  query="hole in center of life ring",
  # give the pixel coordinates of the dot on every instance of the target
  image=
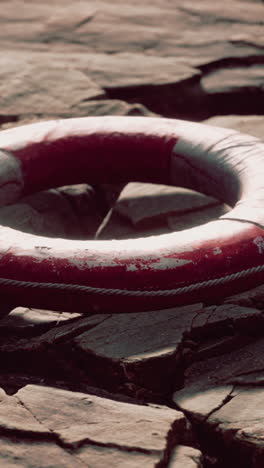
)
(111, 211)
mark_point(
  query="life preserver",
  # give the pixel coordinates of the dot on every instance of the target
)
(219, 258)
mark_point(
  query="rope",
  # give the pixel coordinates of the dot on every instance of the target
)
(139, 293)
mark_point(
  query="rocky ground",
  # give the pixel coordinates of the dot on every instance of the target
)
(176, 388)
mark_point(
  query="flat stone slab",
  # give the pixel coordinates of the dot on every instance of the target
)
(93, 27)
(143, 355)
(133, 70)
(81, 428)
(251, 124)
(239, 424)
(227, 344)
(23, 321)
(41, 87)
(235, 90)
(121, 351)
(187, 457)
(151, 204)
(70, 212)
(33, 453)
(179, 222)
(142, 210)
(224, 393)
(138, 353)
(115, 226)
(160, 66)
(237, 78)
(78, 418)
(36, 87)
(43, 426)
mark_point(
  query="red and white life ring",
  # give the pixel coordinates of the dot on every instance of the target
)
(209, 261)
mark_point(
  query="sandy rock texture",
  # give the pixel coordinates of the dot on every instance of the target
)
(175, 388)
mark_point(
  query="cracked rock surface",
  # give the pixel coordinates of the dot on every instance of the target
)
(78, 429)
(175, 388)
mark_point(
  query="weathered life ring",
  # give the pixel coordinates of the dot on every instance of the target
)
(206, 262)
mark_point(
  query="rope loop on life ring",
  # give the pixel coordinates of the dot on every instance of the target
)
(203, 263)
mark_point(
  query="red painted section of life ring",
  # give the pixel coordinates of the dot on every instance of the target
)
(210, 261)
